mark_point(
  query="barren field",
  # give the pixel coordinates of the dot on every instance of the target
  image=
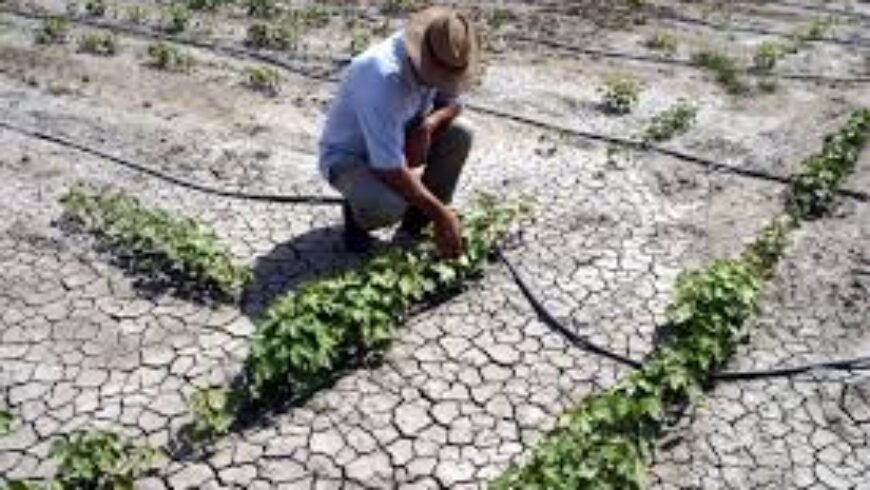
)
(472, 384)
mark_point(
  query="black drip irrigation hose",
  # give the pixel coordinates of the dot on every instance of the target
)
(542, 312)
(181, 182)
(340, 61)
(861, 363)
(660, 60)
(850, 365)
(823, 10)
(670, 15)
(694, 159)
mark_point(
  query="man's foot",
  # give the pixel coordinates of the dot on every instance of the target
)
(356, 239)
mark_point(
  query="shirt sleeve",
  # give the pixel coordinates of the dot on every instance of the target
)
(377, 109)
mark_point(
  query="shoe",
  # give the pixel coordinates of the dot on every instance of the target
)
(356, 239)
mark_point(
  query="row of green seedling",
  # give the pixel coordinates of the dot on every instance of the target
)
(157, 243)
(93, 460)
(328, 325)
(608, 441)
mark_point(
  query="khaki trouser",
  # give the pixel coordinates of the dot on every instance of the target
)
(375, 205)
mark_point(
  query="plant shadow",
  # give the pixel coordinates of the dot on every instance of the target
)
(150, 281)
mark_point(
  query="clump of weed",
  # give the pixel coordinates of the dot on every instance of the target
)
(95, 8)
(6, 421)
(265, 80)
(137, 14)
(175, 19)
(399, 6)
(261, 8)
(725, 68)
(619, 94)
(312, 16)
(205, 4)
(54, 30)
(671, 122)
(768, 54)
(284, 35)
(163, 56)
(102, 44)
(360, 39)
(663, 42)
(498, 17)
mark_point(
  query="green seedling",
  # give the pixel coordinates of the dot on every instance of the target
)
(663, 42)
(99, 460)
(175, 18)
(54, 30)
(284, 36)
(167, 57)
(262, 8)
(669, 123)
(619, 94)
(265, 80)
(95, 8)
(157, 243)
(102, 44)
(726, 70)
(6, 421)
(399, 6)
(360, 39)
(137, 14)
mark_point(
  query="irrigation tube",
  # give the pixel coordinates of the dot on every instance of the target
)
(187, 184)
(258, 55)
(861, 363)
(854, 364)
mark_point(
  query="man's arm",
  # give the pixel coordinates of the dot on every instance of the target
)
(448, 234)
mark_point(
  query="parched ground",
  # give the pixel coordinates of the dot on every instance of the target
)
(469, 386)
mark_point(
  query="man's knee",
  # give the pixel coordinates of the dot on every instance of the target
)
(371, 214)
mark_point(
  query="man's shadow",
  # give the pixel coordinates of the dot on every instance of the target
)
(313, 255)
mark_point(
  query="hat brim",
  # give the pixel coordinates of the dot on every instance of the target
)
(429, 70)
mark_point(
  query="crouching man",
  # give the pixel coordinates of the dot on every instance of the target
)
(393, 144)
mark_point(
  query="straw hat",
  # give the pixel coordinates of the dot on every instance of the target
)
(443, 47)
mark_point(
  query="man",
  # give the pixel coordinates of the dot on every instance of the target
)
(396, 113)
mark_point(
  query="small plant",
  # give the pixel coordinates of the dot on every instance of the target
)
(265, 80)
(212, 410)
(662, 41)
(312, 16)
(6, 421)
(262, 8)
(54, 30)
(99, 460)
(360, 39)
(498, 17)
(285, 35)
(137, 14)
(673, 121)
(205, 4)
(102, 44)
(399, 6)
(176, 18)
(155, 243)
(95, 8)
(619, 94)
(725, 68)
(814, 31)
(768, 54)
(166, 57)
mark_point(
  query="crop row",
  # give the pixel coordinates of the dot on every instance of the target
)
(155, 243)
(607, 442)
(307, 336)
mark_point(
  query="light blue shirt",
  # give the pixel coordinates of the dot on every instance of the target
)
(378, 99)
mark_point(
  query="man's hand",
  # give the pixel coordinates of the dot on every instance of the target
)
(448, 234)
(417, 145)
